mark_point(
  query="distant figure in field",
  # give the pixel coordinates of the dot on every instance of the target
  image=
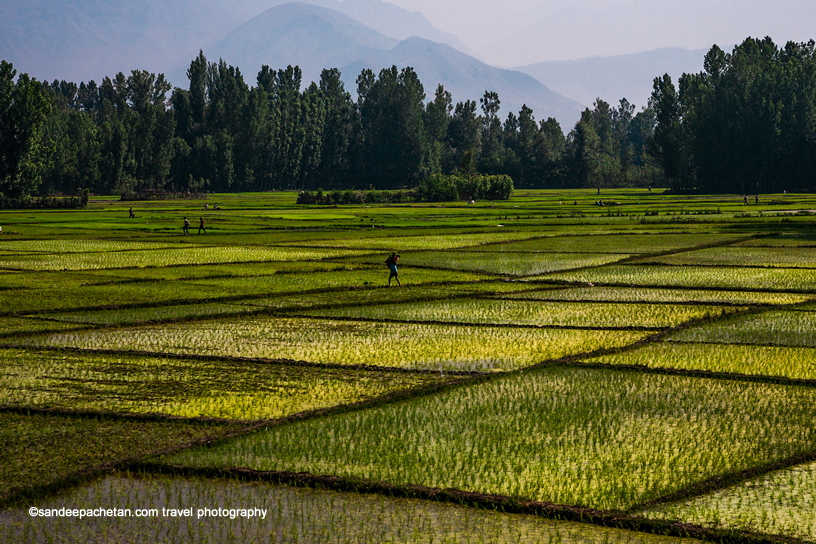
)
(186, 226)
(745, 199)
(215, 207)
(132, 215)
(391, 263)
(756, 199)
(650, 188)
(206, 206)
(201, 225)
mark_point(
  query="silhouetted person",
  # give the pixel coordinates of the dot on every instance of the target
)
(186, 226)
(201, 226)
(132, 215)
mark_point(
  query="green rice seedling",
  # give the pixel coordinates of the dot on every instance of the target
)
(160, 313)
(688, 276)
(743, 256)
(779, 328)
(166, 257)
(523, 312)
(669, 296)
(429, 240)
(366, 297)
(780, 503)
(515, 264)
(595, 438)
(12, 281)
(359, 277)
(217, 270)
(417, 346)
(79, 246)
(13, 325)
(106, 295)
(42, 449)
(797, 363)
(186, 387)
(609, 243)
(798, 239)
(290, 515)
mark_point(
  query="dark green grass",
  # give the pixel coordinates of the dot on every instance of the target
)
(39, 450)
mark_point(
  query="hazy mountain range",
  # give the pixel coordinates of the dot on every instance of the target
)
(88, 39)
(613, 78)
(314, 38)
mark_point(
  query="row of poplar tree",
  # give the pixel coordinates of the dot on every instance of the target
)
(745, 124)
(135, 133)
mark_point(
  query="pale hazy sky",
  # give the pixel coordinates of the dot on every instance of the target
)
(514, 32)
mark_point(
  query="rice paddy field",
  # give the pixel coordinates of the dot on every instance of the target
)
(643, 372)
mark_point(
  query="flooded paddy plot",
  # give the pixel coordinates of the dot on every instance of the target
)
(291, 515)
(41, 449)
(411, 346)
(665, 296)
(610, 243)
(779, 503)
(780, 279)
(595, 438)
(778, 328)
(786, 362)
(542, 314)
(186, 387)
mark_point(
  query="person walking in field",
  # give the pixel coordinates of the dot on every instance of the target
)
(186, 226)
(391, 263)
(201, 226)
(132, 215)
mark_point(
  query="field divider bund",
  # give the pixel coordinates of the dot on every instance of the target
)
(500, 503)
(566, 283)
(691, 373)
(723, 481)
(249, 360)
(231, 298)
(468, 324)
(254, 426)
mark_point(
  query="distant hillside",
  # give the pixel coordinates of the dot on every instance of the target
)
(89, 39)
(468, 78)
(613, 78)
(298, 34)
(388, 19)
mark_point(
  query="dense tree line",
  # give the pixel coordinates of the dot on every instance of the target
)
(137, 133)
(746, 123)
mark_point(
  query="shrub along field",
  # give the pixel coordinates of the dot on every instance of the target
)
(547, 370)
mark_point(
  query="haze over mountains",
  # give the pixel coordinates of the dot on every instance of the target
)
(89, 39)
(616, 77)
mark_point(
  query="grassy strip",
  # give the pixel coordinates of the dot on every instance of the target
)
(500, 503)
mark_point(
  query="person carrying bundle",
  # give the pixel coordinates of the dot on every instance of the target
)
(391, 263)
